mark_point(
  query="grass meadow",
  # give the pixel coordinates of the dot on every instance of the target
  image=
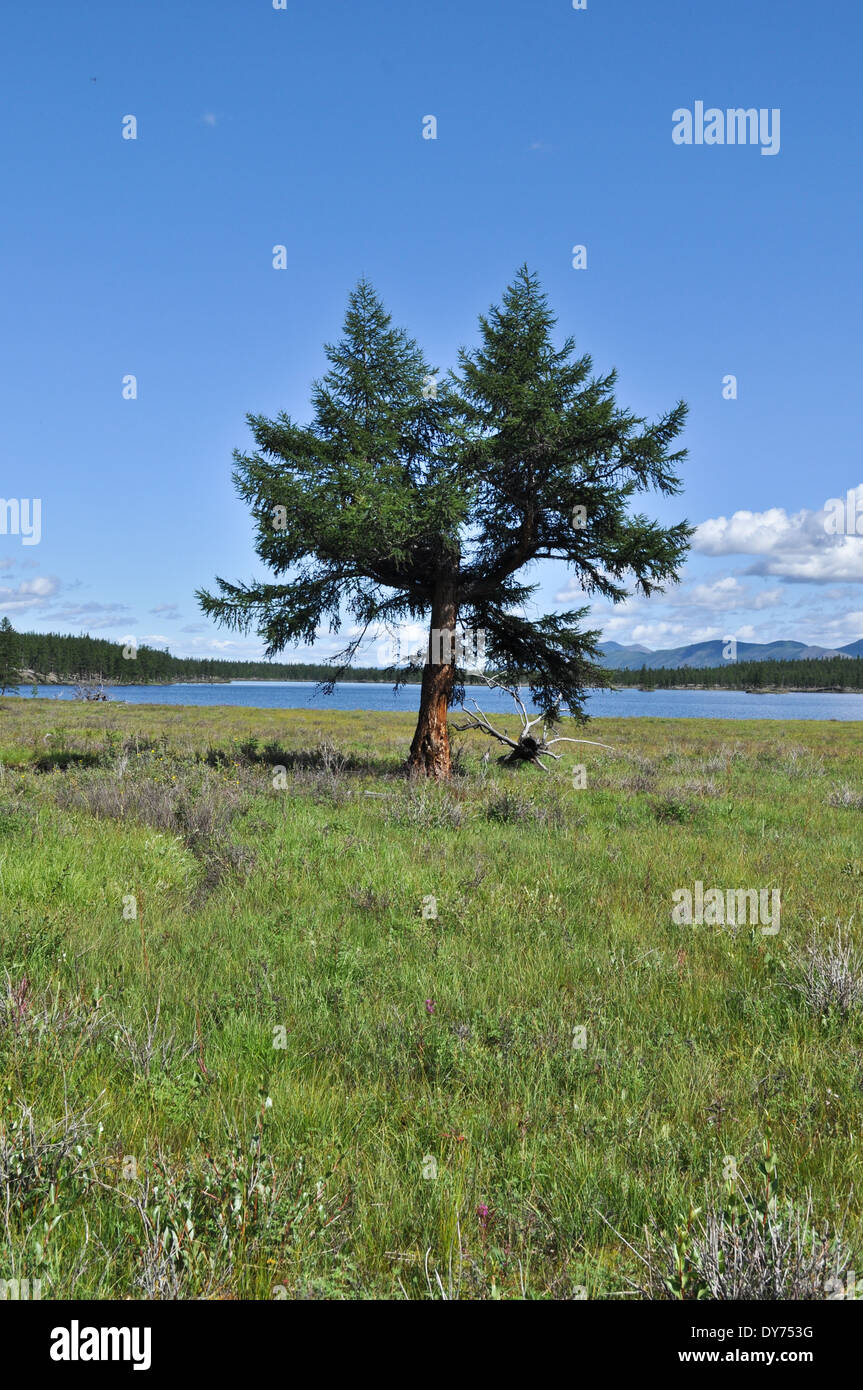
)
(277, 1023)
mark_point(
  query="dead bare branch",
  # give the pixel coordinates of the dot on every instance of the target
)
(527, 748)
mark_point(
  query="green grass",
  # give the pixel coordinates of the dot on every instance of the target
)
(187, 1155)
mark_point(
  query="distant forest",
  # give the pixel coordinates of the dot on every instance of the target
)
(92, 657)
(828, 673)
(71, 658)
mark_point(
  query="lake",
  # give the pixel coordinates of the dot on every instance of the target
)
(662, 704)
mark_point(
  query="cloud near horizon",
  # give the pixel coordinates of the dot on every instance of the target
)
(799, 547)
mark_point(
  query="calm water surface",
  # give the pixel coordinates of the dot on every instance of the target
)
(663, 704)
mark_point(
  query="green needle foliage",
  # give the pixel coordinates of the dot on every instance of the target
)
(10, 657)
(406, 498)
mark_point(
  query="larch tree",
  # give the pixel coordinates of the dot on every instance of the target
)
(407, 498)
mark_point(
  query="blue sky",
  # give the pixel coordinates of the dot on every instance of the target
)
(303, 127)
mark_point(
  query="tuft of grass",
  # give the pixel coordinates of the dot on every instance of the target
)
(829, 975)
(846, 799)
(427, 808)
(513, 807)
(751, 1247)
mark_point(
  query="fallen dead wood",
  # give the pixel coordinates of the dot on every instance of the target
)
(527, 748)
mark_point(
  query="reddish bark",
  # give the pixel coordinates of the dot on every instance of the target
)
(430, 750)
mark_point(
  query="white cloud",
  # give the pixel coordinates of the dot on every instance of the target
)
(727, 593)
(800, 547)
(845, 628)
(750, 533)
(717, 608)
(29, 594)
(659, 634)
(770, 598)
(42, 587)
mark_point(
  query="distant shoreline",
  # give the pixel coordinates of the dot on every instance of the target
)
(741, 690)
(69, 683)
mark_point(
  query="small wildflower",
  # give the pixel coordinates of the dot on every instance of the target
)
(430, 1006)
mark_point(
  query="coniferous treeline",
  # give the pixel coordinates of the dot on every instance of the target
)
(826, 673)
(51, 653)
(70, 658)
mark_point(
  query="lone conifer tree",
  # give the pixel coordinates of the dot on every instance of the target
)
(408, 499)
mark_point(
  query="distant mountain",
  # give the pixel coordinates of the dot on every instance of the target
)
(699, 655)
(616, 647)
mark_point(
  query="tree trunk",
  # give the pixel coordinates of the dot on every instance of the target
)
(430, 753)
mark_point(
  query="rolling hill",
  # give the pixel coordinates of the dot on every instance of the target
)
(700, 655)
